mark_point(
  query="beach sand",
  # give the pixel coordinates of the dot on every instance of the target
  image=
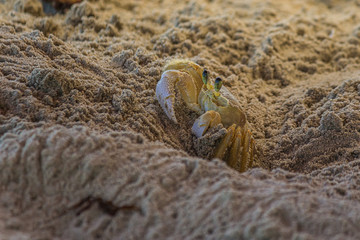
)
(86, 151)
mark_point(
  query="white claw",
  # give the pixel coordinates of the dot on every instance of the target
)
(165, 93)
(204, 122)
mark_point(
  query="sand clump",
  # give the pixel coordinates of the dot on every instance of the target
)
(87, 152)
(145, 190)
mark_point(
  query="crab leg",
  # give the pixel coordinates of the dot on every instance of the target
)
(235, 149)
(239, 141)
(165, 92)
(245, 150)
(225, 142)
(252, 152)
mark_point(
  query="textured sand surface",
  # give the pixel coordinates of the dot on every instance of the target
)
(86, 151)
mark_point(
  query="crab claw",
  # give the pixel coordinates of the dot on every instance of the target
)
(165, 94)
(165, 91)
(204, 122)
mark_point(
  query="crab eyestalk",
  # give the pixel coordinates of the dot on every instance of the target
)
(217, 86)
(205, 78)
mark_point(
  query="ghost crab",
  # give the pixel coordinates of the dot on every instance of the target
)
(215, 104)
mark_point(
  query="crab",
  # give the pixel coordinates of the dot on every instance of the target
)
(214, 103)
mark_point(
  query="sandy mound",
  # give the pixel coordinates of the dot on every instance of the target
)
(86, 151)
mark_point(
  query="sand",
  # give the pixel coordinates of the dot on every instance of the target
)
(86, 152)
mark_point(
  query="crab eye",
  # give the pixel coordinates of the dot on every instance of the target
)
(218, 84)
(205, 76)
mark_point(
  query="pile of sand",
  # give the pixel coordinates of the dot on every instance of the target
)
(86, 151)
